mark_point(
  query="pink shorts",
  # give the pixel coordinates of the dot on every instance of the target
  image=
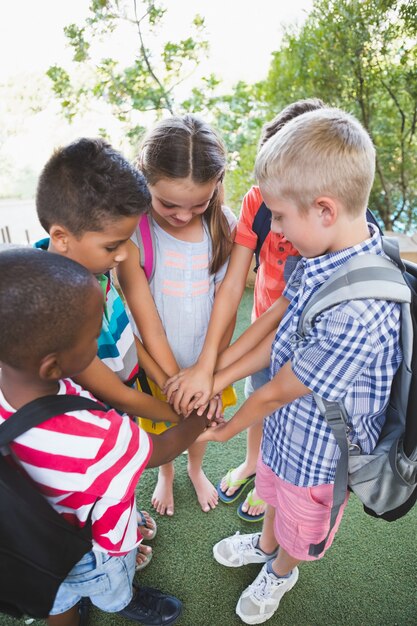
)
(302, 514)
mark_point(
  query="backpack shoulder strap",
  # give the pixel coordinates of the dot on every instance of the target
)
(370, 217)
(261, 225)
(40, 410)
(146, 244)
(364, 276)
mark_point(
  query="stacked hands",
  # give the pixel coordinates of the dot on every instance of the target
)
(181, 394)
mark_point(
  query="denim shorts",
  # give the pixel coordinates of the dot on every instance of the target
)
(106, 580)
(253, 382)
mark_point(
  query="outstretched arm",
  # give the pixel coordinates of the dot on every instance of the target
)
(150, 366)
(198, 379)
(105, 385)
(168, 445)
(139, 298)
(265, 326)
(285, 387)
(251, 362)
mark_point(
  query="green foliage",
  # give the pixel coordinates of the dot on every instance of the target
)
(361, 55)
(238, 117)
(148, 83)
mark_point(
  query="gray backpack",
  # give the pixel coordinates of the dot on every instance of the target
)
(386, 480)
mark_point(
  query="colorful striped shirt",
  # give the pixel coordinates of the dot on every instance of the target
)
(269, 282)
(84, 459)
(116, 343)
(350, 355)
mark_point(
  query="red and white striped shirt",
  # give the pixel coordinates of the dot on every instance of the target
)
(86, 457)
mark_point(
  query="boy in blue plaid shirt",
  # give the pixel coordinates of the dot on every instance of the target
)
(315, 175)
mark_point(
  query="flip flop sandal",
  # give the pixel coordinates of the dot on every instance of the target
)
(142, 522)
(242, 484)
(145, 562)
(245, 515)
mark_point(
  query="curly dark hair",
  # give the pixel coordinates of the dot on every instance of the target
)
(43, 302)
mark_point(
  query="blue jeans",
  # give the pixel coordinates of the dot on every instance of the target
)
(106, 580)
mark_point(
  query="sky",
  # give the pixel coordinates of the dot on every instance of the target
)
(242, 35)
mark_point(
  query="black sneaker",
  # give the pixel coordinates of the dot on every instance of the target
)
(84, 610)
(151, 607)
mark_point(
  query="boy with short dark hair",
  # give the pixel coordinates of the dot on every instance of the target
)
(82, 459)
(315, 176)
(89, 199)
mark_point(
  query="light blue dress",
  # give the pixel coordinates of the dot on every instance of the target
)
(183, 289)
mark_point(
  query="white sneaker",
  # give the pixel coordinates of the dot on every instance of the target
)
(240, 550)
(261, 599)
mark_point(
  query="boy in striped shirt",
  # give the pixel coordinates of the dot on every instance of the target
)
(82, 459)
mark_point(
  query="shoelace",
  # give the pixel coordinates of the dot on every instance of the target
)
(139, 602)
(243, 544)
(262, 588)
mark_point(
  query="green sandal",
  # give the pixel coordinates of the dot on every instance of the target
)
(245, 515)
(241, 484)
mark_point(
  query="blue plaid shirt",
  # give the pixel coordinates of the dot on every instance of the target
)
(350, 355)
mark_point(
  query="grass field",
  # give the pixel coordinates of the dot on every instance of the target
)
(368, 578)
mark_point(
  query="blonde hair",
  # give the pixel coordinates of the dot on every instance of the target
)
(322, 152)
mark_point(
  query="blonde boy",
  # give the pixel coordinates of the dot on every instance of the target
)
(315, 175)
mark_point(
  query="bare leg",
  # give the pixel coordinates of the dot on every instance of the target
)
(69, 618)
(206, 492)
(267, 541)
(163, 495)
(254, 437)
(247, 468)
(283, 562)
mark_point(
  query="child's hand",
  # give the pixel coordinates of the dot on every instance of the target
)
(214, 432)
(215, 408)
(216, 421)
(191, 387)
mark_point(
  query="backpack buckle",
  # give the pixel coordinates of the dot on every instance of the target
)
(354, 449)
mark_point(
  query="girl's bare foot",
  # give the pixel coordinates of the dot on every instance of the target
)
(206, 492)
(163, 495)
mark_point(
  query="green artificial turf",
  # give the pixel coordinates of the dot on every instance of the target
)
(368, 578)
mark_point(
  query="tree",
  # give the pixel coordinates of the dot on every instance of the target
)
(148, 83)
(238, 117)
(361, 55)
(152, 83)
